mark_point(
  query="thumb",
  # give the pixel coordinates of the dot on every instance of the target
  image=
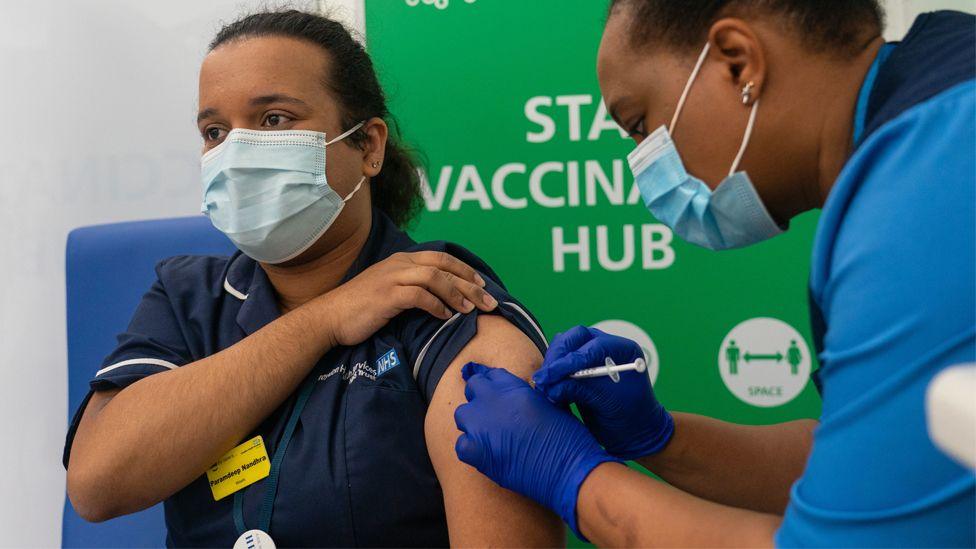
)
(564, 392)
(467, 450)
(473, 368)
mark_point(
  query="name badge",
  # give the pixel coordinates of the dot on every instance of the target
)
(241, 467)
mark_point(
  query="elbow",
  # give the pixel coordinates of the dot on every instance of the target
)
(88, 496)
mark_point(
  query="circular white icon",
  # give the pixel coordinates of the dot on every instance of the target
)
(633, 332)
(764, 362)
(254, 539)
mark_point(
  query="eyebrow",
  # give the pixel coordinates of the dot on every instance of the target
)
(277, 98)
(257, 101)
(206, 113)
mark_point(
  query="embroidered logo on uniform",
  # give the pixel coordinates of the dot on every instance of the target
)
(387, 362)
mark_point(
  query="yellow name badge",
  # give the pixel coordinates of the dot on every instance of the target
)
(242, 466)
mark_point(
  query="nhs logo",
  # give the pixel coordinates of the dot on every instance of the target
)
(387, 362)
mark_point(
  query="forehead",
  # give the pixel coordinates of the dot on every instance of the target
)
(635, 73)
(615, 53)
(252, 66)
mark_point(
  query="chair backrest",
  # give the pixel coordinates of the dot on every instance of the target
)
(109, 268)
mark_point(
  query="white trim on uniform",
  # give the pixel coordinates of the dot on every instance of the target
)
(233, 291)
(538, 330)
(134, 361)
(423, 351)
(515, 306)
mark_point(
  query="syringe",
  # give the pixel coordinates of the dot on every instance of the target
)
(611, 369)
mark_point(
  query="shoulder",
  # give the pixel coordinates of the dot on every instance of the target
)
(433, 343)
(908, 184)
(895, 255)
(198, 276)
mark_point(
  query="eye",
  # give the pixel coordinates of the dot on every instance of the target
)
(637, 129)
(275, 119)
(213, 133)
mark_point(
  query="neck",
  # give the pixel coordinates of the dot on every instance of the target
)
(302, 280)
(836, 140)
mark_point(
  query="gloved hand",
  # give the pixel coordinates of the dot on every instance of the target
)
(516, 437)
(625, 417)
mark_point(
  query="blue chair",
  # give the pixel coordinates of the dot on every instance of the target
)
(109, 268)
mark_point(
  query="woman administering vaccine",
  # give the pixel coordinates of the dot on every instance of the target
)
(746, 114)
(304, 388)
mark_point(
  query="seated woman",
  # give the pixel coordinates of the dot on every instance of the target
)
(330, 334)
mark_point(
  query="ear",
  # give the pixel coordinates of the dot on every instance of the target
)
(374, 149)
(736, 45)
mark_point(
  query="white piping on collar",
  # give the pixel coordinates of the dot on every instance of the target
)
(233, 291)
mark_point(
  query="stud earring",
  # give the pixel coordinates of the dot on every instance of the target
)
(375, 164)
(747, 93)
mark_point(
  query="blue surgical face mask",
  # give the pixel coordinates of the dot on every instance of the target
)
(267, 191)
(732, 216)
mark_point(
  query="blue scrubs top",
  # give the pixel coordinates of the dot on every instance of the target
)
(893, 294)
(356, 472)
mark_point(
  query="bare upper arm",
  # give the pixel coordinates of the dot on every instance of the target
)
(479, 512)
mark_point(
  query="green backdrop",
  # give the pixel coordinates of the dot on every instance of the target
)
(502, 99)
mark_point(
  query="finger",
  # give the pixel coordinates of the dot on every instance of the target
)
(449, 263)
(440, 283)
(619, 349)
(568, 342)
(473, 368)
(503, 378)
(415, 297)
(467, 450)
(563, 393)
(459, 294)
(460, 417)
(557, 370)
(476, 295)
(477, 384)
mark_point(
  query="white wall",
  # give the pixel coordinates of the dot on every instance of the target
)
(99, 103)
(98, 100)
(901, 13)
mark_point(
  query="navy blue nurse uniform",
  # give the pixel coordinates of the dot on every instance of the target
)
(356, 471)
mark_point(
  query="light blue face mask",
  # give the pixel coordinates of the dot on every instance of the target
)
(732, 216)
(267, 191)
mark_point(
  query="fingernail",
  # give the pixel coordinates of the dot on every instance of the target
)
(490, 301)
(479, 280)
(467, 305)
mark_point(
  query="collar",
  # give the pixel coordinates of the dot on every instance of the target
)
(863, 98)
(246, 281)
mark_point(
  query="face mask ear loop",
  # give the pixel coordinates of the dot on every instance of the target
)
(691, 80)
(346, 134)
(354, 191)
(746, 137)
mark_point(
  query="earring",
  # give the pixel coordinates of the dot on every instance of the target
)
(747, 93)
(375, 164)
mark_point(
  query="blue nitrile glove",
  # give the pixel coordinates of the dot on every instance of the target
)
(625, 417)
(516, 437)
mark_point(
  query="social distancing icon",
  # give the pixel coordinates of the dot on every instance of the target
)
(764, 362)
(634, 332)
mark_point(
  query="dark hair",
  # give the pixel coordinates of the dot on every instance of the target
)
(824, 25)
(396, 189)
